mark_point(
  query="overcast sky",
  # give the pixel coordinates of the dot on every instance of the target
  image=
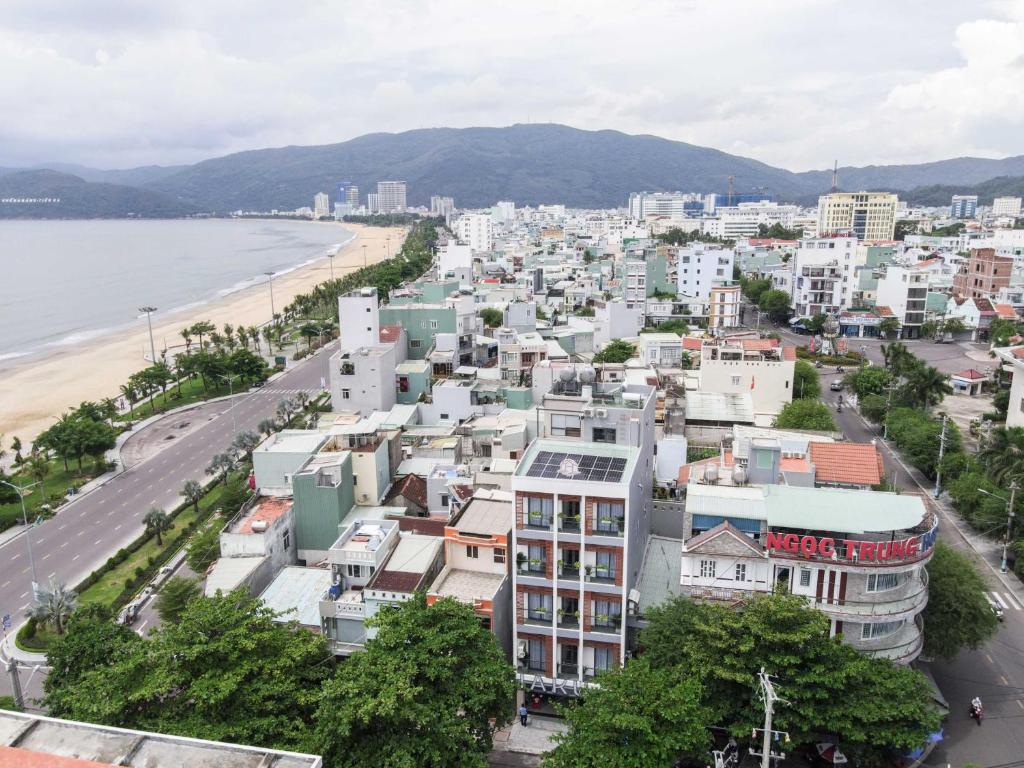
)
(795, 83)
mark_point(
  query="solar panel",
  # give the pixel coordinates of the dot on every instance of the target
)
(577, 466)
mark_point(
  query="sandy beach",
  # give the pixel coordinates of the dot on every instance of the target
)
(35, 392)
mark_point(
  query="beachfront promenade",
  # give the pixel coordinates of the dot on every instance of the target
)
(86, 532)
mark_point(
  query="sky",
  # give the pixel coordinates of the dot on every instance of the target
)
(794, 83)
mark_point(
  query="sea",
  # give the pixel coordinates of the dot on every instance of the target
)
(64, 282)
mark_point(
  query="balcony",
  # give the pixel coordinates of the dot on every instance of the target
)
(568, 620)
(568, 570)
(609, 526)
(848, 610)
(538, 521)
(533, 567)
(568, 670)
(610, 624)
(538, 617)
(569, 523)
(600, 574)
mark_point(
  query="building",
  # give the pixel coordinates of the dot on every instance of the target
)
(412, 567)
(390, 196)
(865, 215)
(324, 493)
(373, 203)
(1006, 206)
(668, 205)
(477, 554)
(724, 306)
(280, 456)
(758, 370)
(904, 291)
(701, 266)
(823, 276)
(475, 230)
(857, 556)
(441, 206)
(321, 205)
(984, 275)
(1013, 362)
(35, 741)
(963, 206)
(347, 193)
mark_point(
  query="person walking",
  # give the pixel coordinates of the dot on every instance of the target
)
(523, 713)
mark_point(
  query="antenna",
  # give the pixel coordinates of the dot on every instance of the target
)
(835, 177)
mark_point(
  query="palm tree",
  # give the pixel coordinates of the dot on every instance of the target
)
(109, 409)
(38, 467)
(897, 358)
(221, 464)
(132, 396)
(246, 442)
(254, 334)
(157, 521)
(192, 492)
(1004, 454)
(888, 326)
(302, 398)
(268, 334)
(53, 606)
(203, 328)
(926, 386)
(186, 334)
(267, 427)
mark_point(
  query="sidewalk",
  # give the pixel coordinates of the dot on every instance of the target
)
(534, 739)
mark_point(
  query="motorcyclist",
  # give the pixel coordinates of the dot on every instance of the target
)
(976, 709)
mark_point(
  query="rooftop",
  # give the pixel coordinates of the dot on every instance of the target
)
(719, 406)
(847, 463)
(467, 586)
(659, 574)
(295, 594)
(291, 441)
(46, 742)
(364, 536)
(580, 461)
(262, 514)
(485, 515)
(408, 564)
(229, 573)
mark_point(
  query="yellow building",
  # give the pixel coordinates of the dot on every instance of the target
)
(865, 215)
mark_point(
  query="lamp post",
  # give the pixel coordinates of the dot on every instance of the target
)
(230, 379)
(28, 530)
(1009, 518)
(331, 256)
(388, 240)
(149, 319)
(364, 255)
(270, 282)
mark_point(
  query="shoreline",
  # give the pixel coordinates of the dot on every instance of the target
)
(37, 388)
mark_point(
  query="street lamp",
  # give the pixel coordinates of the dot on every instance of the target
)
(1009, 518)
(270, 281)
(230, 379)
(364, 255)
(149, 319)
(388, 239)
(28, 530)
(331, 262)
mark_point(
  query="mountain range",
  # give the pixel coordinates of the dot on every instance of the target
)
(528, 164)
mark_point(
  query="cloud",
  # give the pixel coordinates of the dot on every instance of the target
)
(115, 83)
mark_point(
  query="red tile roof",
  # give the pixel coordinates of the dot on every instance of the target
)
(692, 343)
(390, 333)
(396, 581)
(1006, 311)
(267, 510)
(413, 488)
(984, 305)
(847, 463)
(789, 353)
(12, 757)
(424, 526)
(759, 345)
(971, 374)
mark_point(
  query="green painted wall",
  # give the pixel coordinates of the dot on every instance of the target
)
(318, 510)
(416, 320)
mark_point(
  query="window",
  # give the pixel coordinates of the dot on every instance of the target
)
(882, 629)
(602, 659)
(535, 558)
(735, 381)
(538, 606)
(610, 516)
(415, 343)
(444, 499)
(805, 577)
(707, 569)
(356, 571)
(287, 540)
(882, 582)
(346, 394)
(563, 425)
(603, 435)
(536, 655)
(539, 511)
(604, 565)
(741, 571)
(607, 613)
(499, 554)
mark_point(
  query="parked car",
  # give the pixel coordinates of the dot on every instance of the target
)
(836, 386)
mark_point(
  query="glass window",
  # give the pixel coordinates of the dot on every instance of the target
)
(563, 425)
(355, 570)
(882, 629)
(346, 394)
(538, 606)
(707, 569)
(609, 516)
(535, 558)
(499, 554)
(805, 577)
(472, 551)
(604, 567)
(539, 511)
(536, 654)
(603, 660)
(741, 571)
(882, 582)
(606, 434)
(607, 613)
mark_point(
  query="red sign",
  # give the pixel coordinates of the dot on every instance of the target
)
(850, 549)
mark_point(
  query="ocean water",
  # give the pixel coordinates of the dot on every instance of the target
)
(62, 282)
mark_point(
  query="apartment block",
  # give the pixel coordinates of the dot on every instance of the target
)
(864, 215)
(724, 306)
(391, 196)
(984, 275)
(475, 230)
(824, 275)
(700, 267)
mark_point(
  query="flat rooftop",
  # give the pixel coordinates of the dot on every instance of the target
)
(267, 509)
(408, 564)
(295, 594)
(467, 586)
(291, 441)
(490, 516)
(364, 536)
(46, 742)
(581, 461)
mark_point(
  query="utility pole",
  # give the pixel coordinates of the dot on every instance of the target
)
(28, 529)
(230, 379)
(942, 450)
(1009, 524)
(270, 280)
(364, 255)
(12, 669)
(768, 697)
(888, 407)
(331, 256)
(149, 319)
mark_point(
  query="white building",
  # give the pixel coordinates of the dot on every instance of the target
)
(700, 267)
(865, 215)
(904, 290)
(475, 230)
(1006, 206)
(824, 275)
(391, 196)
(504, 212)
(321, 205)
(724, 306)
(743, 220)
(614, 319)
(760, 369)
(452, 257)
(668, 205)
(441, 206)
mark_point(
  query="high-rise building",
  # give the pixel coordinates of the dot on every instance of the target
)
(474, 229)
(670, 205)
(700, 266)
(373, 203)
(1006, 206)
(865, 215)
(963, 206)
(347, 193)
(441, 206)
(391, 196)
(321, 205)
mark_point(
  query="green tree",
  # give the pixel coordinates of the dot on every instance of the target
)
(904, 228)
(889, 326)
(92, 640)
(805, 380)
(926, 387)
(429, 691)
(755, 288)
(226, 671)
(616, 351)
(192, 493)
(775, 303)
(204, 547)
(157, 521)
(246, 364)
(805, 413)
(203, 328)
(38, 468)
(873, 408)
(898, 359)
(174, 597)
(1004, 454)
(816, 324)
(917, 435)
(958, 615)
(53, 606)
(639, 716)
(954, 326)
(869, 380)
(246, 442)
(1000, 331)
(678, 327)
(585, 311)
(220, 465)
(493, 318)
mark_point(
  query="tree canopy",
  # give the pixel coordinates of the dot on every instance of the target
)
(805, 380)
(428, 692)
(493, 318)
(775, 303)
(805, 413)
(616, 351)
(958, 614)
(639, 716)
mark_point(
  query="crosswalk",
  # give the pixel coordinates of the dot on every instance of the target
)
(1004, 600)
(276, 391)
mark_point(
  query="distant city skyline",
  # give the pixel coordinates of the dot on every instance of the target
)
(112, 84)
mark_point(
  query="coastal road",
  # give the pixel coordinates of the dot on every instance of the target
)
(87, 531)
(995, 672)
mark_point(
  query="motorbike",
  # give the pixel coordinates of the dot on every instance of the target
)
(977, 713)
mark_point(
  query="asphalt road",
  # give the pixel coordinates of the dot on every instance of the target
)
(90, 529)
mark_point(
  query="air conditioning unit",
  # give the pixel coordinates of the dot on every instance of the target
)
(523, 651)
(588, 411)
(601, 413)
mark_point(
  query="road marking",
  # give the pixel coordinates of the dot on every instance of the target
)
(23, 607)
(97, 542)
(52, 575)
(63, 545)
(113, 512)
(1005, 681)
(995, 596)
(117, 527)
(1013, 602)
(142, 626)
(989, 659)
(1020, 703)
(62, 527)
(2, 586)
(23, 594)
(75, 558)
